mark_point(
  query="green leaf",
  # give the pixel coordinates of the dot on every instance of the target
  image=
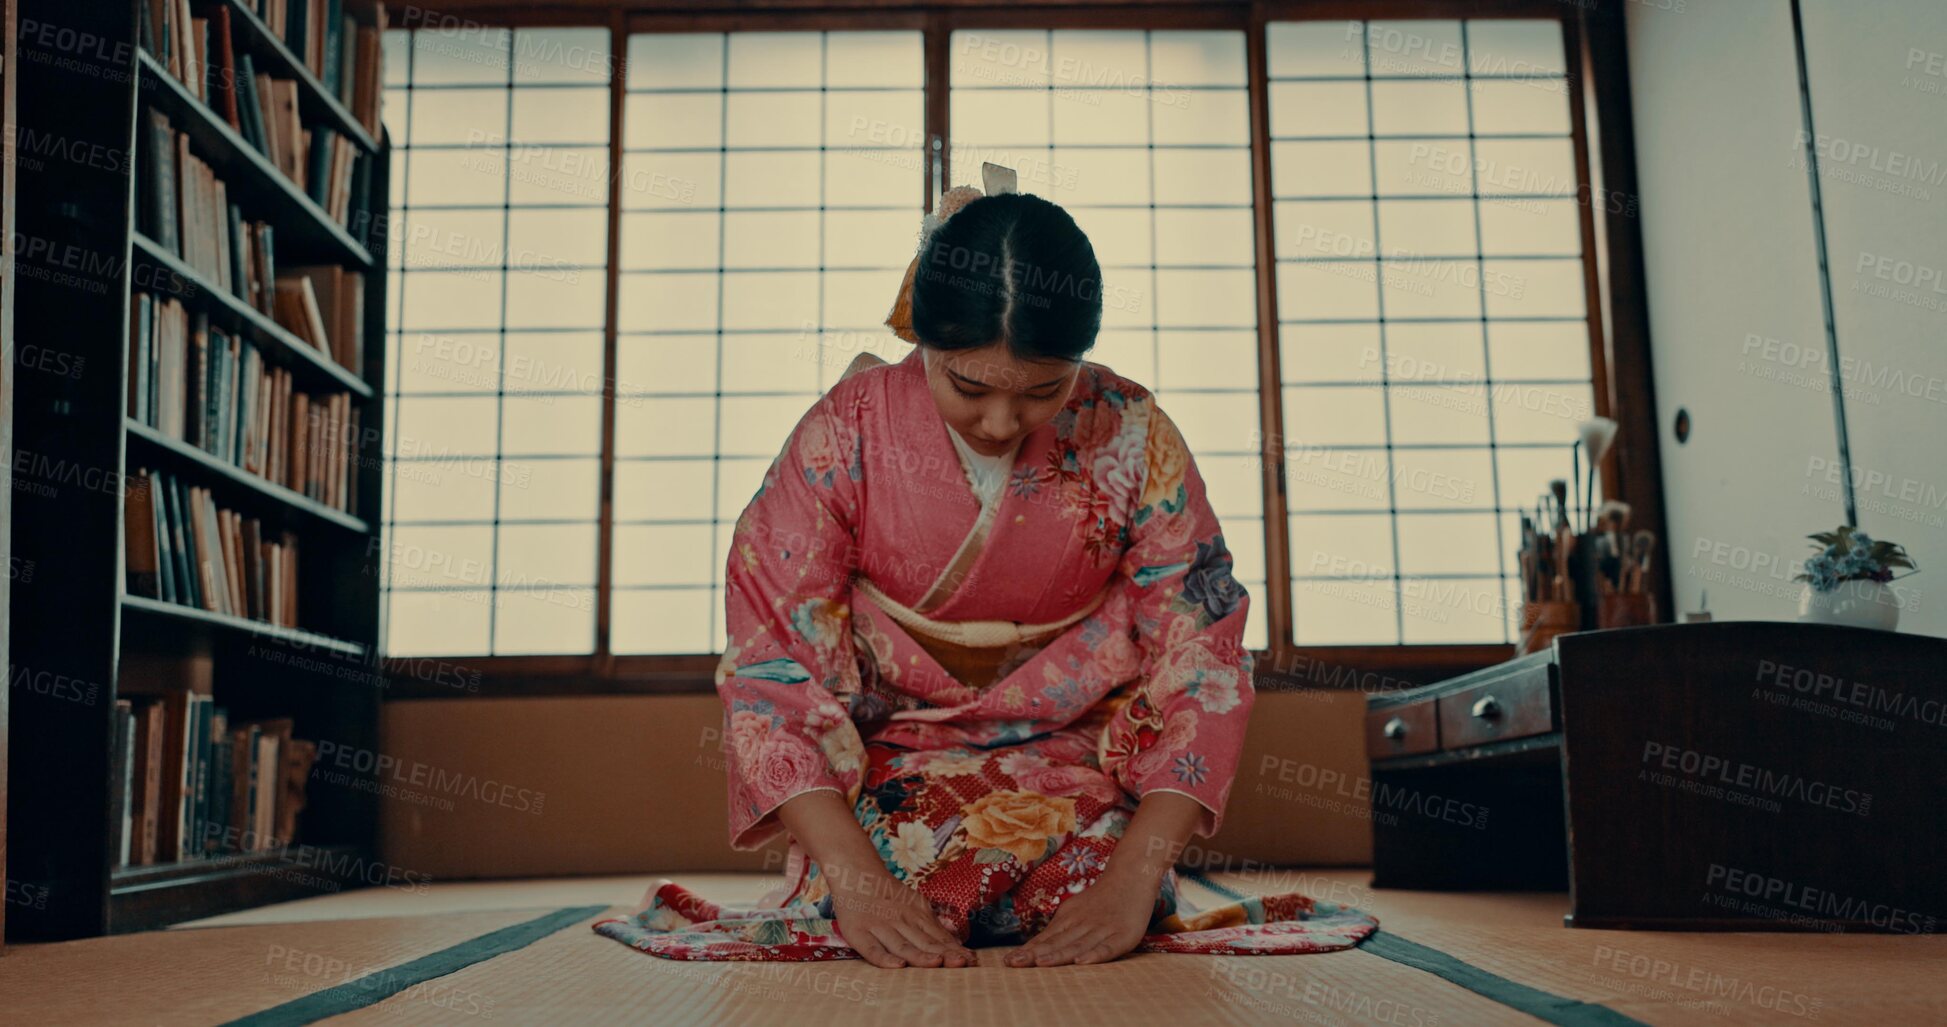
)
(769, 932)
(992, 856)
(783, 670)
(1150, 575)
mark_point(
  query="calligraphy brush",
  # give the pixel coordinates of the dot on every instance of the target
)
(1596, 434)
(1575, 465)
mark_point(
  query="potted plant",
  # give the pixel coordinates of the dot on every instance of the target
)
(1845, 581)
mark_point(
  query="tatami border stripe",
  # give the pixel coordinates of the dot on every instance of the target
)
(1544, 1005)
(376, 987)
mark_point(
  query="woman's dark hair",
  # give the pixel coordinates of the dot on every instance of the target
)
(1013, 267)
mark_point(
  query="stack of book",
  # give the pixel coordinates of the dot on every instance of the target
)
(192, 784)
(342, 53)
(183, 548)
(325, 306)
(185, 209)
(194, 382)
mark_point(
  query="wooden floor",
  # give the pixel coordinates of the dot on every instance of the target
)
(1512, 947)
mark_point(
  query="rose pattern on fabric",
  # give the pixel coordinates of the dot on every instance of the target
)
(1024, 824)
(1209, 586)
(1168, 457)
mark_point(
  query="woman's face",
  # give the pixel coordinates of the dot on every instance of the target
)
(994, 398)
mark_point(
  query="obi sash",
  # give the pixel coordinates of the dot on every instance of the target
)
(973, 651)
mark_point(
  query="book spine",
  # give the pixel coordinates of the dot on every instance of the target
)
(167, 588)
(226, 69)
(150, 744)
(184, 539)
(218, 831)
(138, 358)
(139, 556)
(199, 752)
(122, 780)
(175, 775)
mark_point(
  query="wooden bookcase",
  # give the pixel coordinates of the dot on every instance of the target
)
(84, 87)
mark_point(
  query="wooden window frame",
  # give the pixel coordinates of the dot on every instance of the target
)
(1613, 279)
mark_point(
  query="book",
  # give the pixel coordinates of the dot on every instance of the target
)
(250, 111)
(199, 795)
(269, 121)
(140, 327)
(156, 156)
(298, 310)
(140, 557)
(243, 786)
(184, 188)
(190, 73)
(351, 319)
(236, 264)
(180, 537)
(225, 95)
(148, 797)
(267, 268)
(341, 64)
(263, 814)
(205, 568)
(337, 301)
(284, 102)
(253, 550)
(320, 164)
(196, 388)
(216, 811)
(177, 774)
(121, 776)
(167, 587)
(297, 30)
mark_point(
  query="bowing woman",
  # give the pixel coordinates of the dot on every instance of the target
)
(984, 659)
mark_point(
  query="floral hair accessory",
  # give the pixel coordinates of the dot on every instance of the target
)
(997, 180)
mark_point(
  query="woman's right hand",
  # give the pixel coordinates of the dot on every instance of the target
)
(886, 922)
(889, 924)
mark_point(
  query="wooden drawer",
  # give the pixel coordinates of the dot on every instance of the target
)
(1514, 707)
(1405, 730)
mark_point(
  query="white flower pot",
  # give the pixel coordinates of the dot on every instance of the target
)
(1859, 604)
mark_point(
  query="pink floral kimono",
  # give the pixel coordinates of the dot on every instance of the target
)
(1000, 791)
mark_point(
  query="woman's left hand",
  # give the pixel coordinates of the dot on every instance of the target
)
(1105, 921)
(1111, 915)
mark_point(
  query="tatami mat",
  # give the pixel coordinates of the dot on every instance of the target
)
(577, 976)
(241, 964)
(454, 896)
(1676, 977)
(217, 974)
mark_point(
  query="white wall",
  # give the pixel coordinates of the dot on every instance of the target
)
(1735, 319)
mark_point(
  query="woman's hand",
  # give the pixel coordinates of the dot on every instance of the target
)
(890, 924)
(1111, 915)
(886, 922)
(1107, 920)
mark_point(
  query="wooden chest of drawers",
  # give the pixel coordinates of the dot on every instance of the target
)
(1662, 774)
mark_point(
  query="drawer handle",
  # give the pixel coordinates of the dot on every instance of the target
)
(1395, 729)
(1487, 708)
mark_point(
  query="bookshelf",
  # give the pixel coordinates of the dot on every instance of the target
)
(93, 427)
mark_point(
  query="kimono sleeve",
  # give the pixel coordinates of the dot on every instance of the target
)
(787, 605)
(1182, 728)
